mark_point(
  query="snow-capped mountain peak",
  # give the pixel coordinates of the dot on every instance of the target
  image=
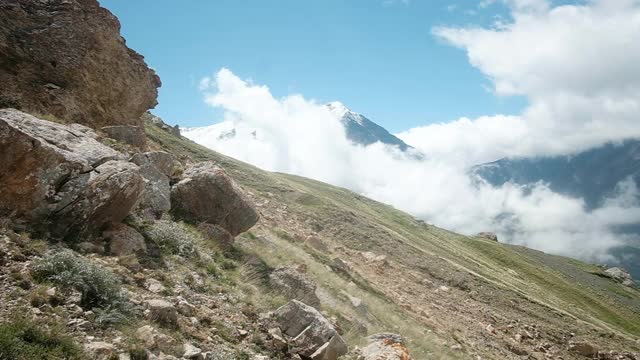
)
(338, 109)
(343, 113)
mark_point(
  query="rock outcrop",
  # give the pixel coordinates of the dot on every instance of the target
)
(157, 168)
(166, 163)
(294, 285)
(620, 276)
(488, 235)
(58, 179)
(312, 334)
(67, 58)
(385, 346)
(157, 121)
(130, 135)
(123, 240)
(207, 194)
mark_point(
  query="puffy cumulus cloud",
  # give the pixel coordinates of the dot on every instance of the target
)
(576, 64)
(296, 135)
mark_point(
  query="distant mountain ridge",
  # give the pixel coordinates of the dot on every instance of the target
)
(592, 175)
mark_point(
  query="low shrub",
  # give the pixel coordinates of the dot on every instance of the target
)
(172, 238)
(100, 288)
(21, 339)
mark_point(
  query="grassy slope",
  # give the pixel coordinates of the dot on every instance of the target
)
(562, 286)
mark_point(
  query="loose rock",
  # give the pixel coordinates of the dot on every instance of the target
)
(163, 312)
(123, 240)
(99, 350)
(293, 284)
(309, 330)
(385, 346)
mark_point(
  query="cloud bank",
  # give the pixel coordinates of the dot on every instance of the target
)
(576, 64)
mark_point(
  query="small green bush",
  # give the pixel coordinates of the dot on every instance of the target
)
(21, 339)
(100, 288)
(172, 238)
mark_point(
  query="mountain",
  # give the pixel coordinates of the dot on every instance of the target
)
(358, 128)
(449, 295)
(363, 131)
(592, 175)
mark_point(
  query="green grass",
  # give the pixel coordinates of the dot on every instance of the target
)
(22, 339)
(551, 284)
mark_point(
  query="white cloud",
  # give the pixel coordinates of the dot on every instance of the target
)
(299, 136)
(576, 64)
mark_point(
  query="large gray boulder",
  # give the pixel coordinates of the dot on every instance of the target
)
(312, 334)
(158, 168)
(294, 285)
(207, 194)
(60, 180)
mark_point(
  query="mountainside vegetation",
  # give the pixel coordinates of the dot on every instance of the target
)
(443, 285)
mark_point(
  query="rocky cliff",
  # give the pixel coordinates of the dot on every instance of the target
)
(66, 58)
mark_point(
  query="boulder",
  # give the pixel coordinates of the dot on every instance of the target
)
(123, 240)
(488, 235)
(166, 163)
(126, 134)
(107, 195)
(152, 339)
(162, 312)
(99, 350)
(207, 194)
(312, 334)
(294, 285)
(385, 346)
(620, 275)
(583, 348)
(192, 352)
(67, 58)
(154, 286)
(217, 235)
(158, 168)
(60, 180)
(156, 199)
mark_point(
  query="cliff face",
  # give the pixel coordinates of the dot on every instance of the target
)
(66, 58)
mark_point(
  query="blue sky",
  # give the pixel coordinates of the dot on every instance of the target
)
(379, 57)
